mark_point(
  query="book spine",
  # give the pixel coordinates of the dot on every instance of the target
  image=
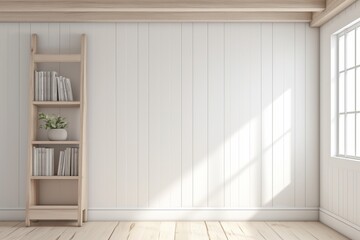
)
(66, 98)
(54, 96)
(72, 162)
(47, 152)
(58, 79)
(45, 86)
(52, 162)
(63, 166)
(69, 90)
(48, 86)
(41, 86)
(76, 162)
(60, 163)
(34, 162)
(68, 166)
(43, 164)
(36, 86)
(40, 161)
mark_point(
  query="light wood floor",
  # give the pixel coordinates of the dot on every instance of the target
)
(170, 230)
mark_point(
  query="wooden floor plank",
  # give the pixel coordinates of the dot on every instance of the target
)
(45, 233)
(283, 231)
(252, 232)
(262, 228)
(215, 231)
(19, 233)
(122, 231)
(145, 230)
(233, 231)
(191, 231)
(90, 231)
(320, 231)
(298, 230)
(169, 231)
(8, 227)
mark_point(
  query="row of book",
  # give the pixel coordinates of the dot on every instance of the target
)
(51, 87)
(68, 162)
(43, 162)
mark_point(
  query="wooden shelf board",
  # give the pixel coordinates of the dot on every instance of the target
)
(56, 142)
(54, 207)
(57, 58)
(56, 104)
(54, 177)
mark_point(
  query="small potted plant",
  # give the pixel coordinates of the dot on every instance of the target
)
(56, 126)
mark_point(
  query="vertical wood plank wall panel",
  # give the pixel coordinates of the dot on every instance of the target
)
(173, 131)
(227, 119)
(9, 119)
(232, 69)
(165, 115)
(128, 116)
(181, 115)
(216, 115)
(187, 114)
(143, 115)
(241, 105)
(312, 117)
(283, 131)
(200, 114)
(287, 194)
(255, 116)
(24, 59)
(121, 115)
(156, 112)
(13, 113)
(267, 113)
(278, 111)
(5, 201)
(300, 115)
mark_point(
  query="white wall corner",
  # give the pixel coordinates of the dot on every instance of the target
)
(340, 224)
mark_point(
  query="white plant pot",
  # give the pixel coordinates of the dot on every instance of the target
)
(57, 134)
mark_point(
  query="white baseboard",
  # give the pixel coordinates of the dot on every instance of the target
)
(12, 214)
(340, 224)
(206, 214)
(261, 214)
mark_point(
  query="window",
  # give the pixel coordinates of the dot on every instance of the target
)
(348, 78)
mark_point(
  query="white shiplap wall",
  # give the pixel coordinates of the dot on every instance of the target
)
(181, 115)
(340, 178)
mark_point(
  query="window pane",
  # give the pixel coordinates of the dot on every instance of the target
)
(341, 135)
(341, 53)
(350, 134)
(350, 90)
(341, 93)
(358, 88)
(350, 49)
(358, 46)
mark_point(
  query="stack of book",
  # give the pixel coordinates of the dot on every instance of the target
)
(51, 87)
(43, 161)
(68, 162)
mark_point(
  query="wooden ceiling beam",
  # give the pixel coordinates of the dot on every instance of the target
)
(163, 6)
(156, 17)
(333, 7)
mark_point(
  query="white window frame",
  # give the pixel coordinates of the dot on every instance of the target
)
(338, 72)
